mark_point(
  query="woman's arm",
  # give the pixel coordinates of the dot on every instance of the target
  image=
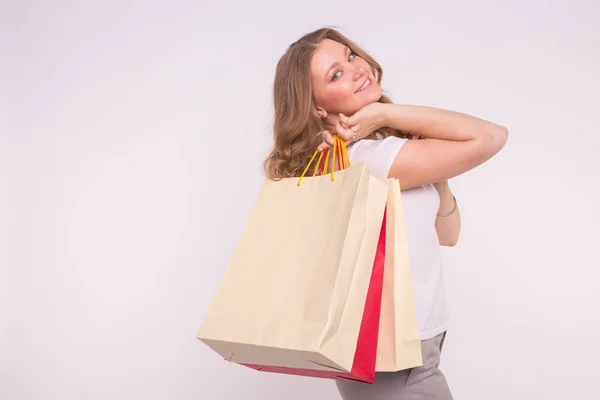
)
(450, 144)
(447, 226)
(453, 143)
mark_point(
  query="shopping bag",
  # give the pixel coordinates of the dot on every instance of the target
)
(399, 344)
(302, 293)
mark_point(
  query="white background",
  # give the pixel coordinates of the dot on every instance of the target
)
(132, 134)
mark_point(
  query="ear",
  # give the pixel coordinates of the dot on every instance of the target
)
(321, 113)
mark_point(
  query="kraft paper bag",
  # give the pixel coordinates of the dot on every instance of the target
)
(399, 344)
(363, 367)
(294, 295)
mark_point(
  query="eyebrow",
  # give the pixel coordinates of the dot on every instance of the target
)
(336, 64)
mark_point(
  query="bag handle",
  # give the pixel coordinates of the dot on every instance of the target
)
(339, 147)
(343, 157)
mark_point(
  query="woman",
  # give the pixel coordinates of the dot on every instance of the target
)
(326, 85)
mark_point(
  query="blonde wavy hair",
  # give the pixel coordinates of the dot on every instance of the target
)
(296, 128)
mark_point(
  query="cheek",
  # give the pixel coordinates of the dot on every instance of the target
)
(342, 91)
(339, 93)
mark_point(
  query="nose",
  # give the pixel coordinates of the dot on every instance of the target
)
(358, 72)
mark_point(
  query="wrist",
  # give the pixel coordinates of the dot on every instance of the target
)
(442, 184)
(443, 188)
(397, 116)
(385, 115)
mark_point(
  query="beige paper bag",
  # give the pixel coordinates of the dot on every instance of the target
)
(294, 293)
(399, 344)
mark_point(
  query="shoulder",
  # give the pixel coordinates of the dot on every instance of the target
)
(379, 155)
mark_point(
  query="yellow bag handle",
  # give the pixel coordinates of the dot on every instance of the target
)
(343, 159)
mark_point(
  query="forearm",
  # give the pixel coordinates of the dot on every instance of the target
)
(437, 123)
(448, 227)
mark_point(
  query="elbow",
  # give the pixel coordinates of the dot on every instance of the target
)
(500, 136)
(494, 141)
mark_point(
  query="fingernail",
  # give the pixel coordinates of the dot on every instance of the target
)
(323, 134)
(320, 149)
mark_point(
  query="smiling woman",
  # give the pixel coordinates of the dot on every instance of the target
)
(319, 77)
(326, 85)
(343, 82)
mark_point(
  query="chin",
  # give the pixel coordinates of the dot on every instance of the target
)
(372, 95)
(377, 93)
(372, 98)
(365, 99)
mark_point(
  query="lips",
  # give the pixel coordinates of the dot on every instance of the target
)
(365, 85)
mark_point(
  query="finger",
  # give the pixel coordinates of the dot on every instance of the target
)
(342, 121)
(345, 121)
(343, 132)
(350, 121)
(328, 138)
(324, 146)
(352, 134)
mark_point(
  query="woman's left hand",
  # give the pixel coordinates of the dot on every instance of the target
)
(360, 125)
(364, 122)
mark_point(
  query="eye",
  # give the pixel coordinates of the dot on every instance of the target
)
(337, 74)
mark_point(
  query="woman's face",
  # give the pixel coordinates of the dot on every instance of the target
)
(342, 82)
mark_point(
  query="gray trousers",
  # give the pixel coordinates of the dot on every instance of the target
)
(421, 383)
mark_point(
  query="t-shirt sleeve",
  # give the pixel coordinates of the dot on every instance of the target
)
(378, 154)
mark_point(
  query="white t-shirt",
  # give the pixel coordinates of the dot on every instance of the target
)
(421, 205)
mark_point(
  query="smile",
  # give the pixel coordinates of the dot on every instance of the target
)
(365, 85)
